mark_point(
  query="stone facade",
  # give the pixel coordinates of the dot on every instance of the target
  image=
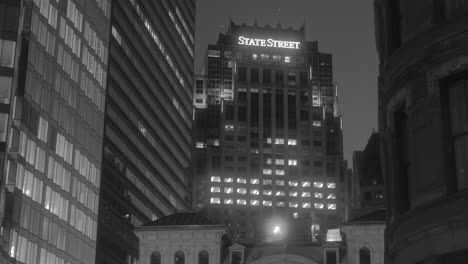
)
(423, 83)
(190, 240)
(369, 236)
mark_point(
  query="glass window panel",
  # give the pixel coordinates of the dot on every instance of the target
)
(5, 89)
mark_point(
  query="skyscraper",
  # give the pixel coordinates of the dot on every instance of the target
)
(267, 134)
(148, 119)
(52, 81)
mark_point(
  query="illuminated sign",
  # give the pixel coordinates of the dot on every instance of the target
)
(271, 43)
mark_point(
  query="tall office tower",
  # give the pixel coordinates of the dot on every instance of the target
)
(267, 135)
(423, 102)
(148, 119)
(53, 61)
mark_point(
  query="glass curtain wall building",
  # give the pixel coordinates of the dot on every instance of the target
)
(147, 138)
(53, 68)
(267, 134)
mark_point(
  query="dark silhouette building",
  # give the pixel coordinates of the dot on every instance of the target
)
(53, 68)
(367, 190)
(148, 120)
(423, 100)
(267, 134)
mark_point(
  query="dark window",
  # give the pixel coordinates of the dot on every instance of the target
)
(279, 113)
(291, 111)
(156, 258)
(236, 258)
(364, 256)
(266, 112)
(254, 109)
(266, 75)
(242, 72)
(303, 97)
(458, 134)
(331, 257)
(367, 196)
(317, 143)
(242, 113)
(179, 257)
(203, 257)
(254, 75)
(279, 77)
(229, 112)
(303, 78)
(304, 115)
(242, 95)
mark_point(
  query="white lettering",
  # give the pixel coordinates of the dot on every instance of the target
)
(272, 43)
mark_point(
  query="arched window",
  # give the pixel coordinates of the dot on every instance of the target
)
(156, 258)
(179, 257)
(203, 257)
(364, 256)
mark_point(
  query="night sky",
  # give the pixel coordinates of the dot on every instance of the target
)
(343, 28)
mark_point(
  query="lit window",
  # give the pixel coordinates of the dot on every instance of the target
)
(279, 193)
(227, 201)
(280, 183)
(268, 161)
(227, 190)
(293, 183)
(318, 205)
(331, 196)
(268, 140)
(293, 204)
(254, 202)
(254, 56)
(215, 189)
(318, 195)
(331, 185)
(277, 58)
(267, 203)
(266, 182)
(265, 57)
(254, 192)
(228, 180)
(254, 181)
(279, 161)
(200, 145)
(267, 171)
(215, 200)
(292, 142)
(279, 141)
(267, 192)
(318, 184)
(295, 215)
(215, 179)
(241, 201)
(279, 172)
(229, 127)
(292, 162)
(241, 180)
(305, 184)
(331, 206)
(293, 193)
(241, 190)
(287, 59)
(317, 123)
(305, 205)
(305, 194)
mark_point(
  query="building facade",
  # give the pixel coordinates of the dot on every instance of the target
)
(423, 87)
(267, 134)
(53, 68)
(148, 120)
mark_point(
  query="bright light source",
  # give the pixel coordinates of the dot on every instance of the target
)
(276, 230)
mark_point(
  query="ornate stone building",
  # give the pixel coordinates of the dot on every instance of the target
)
(423, 100)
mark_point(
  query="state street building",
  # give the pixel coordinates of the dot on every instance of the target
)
(267, 136)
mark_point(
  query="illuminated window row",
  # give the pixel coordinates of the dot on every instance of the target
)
(87, 168)
(32, 153)
(330, 185)
(83, 222)
(281, 162)
(230, 190)
(270, 171)
(217, 200)
(181, 34)
(28, 183)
